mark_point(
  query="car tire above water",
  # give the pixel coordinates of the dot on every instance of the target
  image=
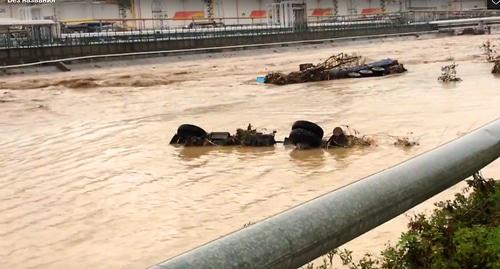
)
(189, 130)
(309, 126)
(305, 137)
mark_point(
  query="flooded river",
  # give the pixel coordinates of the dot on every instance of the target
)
(88, 179)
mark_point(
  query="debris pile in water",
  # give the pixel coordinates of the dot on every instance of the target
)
(496, 68)
(306, 134)
(406, 142)
(252, 138)
(338, 66)
(489, 51)
(303, 135)
(491, 56)
(345, 136)
(192, 135)
(449, 73)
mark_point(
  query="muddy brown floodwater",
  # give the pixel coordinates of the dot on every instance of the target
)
(88, 179)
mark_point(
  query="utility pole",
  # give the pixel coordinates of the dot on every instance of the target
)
(350, 8)
(210, 9)
(382, 5)
(123, 5)
(335, 7)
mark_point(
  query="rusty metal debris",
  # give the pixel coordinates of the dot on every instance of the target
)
(338, 66)
(449, 73)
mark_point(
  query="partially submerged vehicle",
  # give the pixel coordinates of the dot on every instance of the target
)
(192, 135)
(338, 66)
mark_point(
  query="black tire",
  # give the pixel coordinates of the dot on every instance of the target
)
(174, 140)
(189, 130)
(309, 126)
(305, 137)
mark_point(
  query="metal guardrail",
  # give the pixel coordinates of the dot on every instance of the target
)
(301, 234)
(211, 49)
(151, 30)
(166, 34)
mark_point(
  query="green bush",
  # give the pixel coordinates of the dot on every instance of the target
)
(462, 233)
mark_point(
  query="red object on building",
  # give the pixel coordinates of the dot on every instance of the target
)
(258, 14)
(322, 12)
(189, 15)
(371, 11)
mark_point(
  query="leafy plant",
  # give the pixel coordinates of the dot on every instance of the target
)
(449, 73)
(489, 50)
(460, 233)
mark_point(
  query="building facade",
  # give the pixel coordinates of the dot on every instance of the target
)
(181, 12)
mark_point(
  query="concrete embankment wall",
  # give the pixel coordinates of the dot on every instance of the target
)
(29, 55)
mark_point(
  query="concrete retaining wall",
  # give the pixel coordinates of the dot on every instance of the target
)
(28, 55)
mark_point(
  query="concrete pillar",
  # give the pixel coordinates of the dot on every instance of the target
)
(382, 5)
(351, 10)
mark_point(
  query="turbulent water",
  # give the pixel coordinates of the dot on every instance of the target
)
(88, 179)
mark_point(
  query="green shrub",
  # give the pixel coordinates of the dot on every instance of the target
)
(462, 233)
